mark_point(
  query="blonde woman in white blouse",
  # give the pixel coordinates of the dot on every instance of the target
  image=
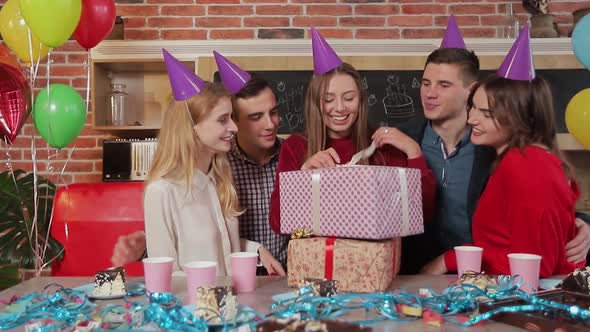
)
(190, 203)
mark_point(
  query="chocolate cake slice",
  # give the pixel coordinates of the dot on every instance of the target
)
(215, 302)
(478, 279)
(294, 325)
(110, 282)
(321, 287)
(577, 281)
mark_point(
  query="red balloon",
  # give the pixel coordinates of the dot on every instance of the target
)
(7, 58)
(14, 101)
(96, 22)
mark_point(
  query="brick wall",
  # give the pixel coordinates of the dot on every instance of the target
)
(250, 19)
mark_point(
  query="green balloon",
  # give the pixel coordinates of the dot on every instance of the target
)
(59, 115)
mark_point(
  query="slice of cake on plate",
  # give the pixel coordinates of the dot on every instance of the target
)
(216, 302)
(294, 325)
(110, 282)
(578, 281)
(478, 279)
(321, 287)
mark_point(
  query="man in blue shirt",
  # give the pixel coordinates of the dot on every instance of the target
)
(461, 168)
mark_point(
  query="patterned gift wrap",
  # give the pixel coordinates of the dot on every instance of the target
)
(358, 266)
(359, 202)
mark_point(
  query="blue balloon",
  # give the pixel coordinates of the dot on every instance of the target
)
(581, 41)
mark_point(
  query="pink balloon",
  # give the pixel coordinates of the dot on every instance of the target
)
(14, 101)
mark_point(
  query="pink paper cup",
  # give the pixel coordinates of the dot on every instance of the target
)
(243, 271)
(468, 259)
(199, 274)
(527, 267)
(158, 274)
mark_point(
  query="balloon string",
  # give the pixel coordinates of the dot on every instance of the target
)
(26, 214)
(8, 163)
(48, 71)
(31, 52)
(61, 182)
(87, 63)
(49, 171)
(10, 168)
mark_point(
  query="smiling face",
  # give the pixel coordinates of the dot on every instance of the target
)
(340, 105)
(443, 92)
(257, 118)
(216, 130)
(485, 128)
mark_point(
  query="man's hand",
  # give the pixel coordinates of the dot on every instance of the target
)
(577, 248)
(273, 267)
(129, 248)
(435, 267)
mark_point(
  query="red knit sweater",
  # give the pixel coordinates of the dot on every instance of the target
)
(293, 155)
(527, 207)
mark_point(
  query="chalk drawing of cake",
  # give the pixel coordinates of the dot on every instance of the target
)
(397, 103)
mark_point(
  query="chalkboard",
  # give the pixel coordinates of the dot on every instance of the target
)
(394, 95)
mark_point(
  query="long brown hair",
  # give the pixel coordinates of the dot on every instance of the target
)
(526, 110)
(178, 147)
(317, 133)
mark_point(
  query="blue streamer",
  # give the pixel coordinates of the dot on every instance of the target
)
(57, 309)
(164, 310)
(456, 299)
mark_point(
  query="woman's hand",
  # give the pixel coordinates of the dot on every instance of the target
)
(397, 139)
(272, 266)
(129, 248)
(436, 266)
(323, 159)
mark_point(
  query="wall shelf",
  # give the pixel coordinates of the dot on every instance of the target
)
(139, 65)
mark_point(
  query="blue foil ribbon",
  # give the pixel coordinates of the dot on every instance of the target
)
(456, 299)
(57, 306)
(165, 311)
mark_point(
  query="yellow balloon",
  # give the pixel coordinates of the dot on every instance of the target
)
(577, 117)
(53, 21)
(15, 33)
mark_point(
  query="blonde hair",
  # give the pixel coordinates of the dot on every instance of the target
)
(178, 147)
(317, 134)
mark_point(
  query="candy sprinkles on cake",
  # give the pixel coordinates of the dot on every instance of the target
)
(577, 281)
(295, 325)
(216, 304)
(110, 282)
(321, 287)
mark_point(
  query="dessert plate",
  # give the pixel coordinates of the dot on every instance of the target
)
(283, 296)
(132, 287)
(245, 315)
(548, 283)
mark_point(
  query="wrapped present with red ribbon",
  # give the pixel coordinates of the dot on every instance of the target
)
(359, 266)
(355, 202)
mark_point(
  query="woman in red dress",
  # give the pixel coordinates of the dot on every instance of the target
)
(528, 203)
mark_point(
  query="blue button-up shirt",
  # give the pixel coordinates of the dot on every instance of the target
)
(453, 173)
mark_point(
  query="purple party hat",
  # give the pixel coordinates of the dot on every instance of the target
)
(324, 57)
(233, 77)
(518, 64)
(184, 82)
(452, 37)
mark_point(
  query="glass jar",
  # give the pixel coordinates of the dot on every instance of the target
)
(119, 105)
(509, 27)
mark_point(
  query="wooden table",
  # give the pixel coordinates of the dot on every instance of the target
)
(261, 300)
